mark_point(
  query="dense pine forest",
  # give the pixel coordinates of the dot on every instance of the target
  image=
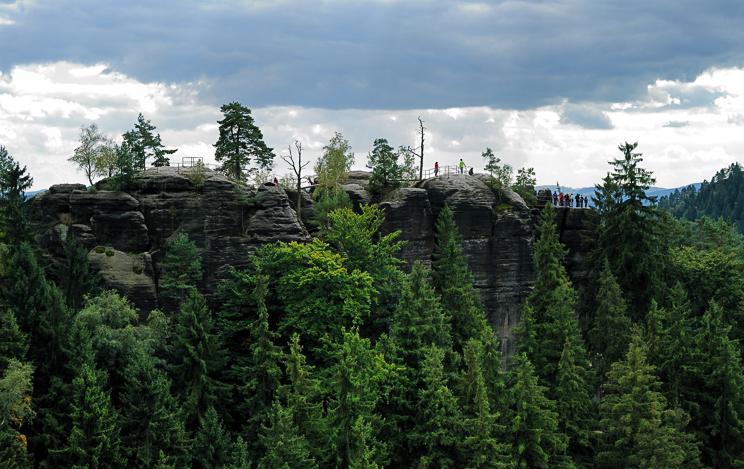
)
(722, 197)
(334, 353)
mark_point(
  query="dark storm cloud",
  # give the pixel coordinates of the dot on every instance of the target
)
(388, 54)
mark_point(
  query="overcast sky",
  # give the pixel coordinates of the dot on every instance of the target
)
(556, 85)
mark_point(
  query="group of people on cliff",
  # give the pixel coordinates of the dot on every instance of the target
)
(569, 200)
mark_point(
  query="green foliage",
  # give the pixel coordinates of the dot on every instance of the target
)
(358, 239)
(439, 425)
(197, 357)
(182, 269)
(573, 401)
(637, 428)
(152, 422)
(532, 420)
(500, 173)
(240, 144)
(13, 342)
(143, 143)
(212, 445)
(94, 440)
(452, 279)
(75, 277)
(86, 154)
(197, 175)
(14, 223)
(15, 410)
(610, 329)
(285, 445)
(331, 168)
(357, 378)
(721, 197)
(629, 235)
(387, 173)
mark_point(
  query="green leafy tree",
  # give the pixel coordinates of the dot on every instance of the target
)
(629, 234)
(240, 143)
(182, 269)
(152, 421)
(610, 330)
(532, 420)
(358, 237)
(212, 445)
(125, 164)
(637, 427)
(143, 143)
(284, 444)
(452, 279)
(386, 172)
(94, 440)
(197, 357)
(86, 154)
(105, 162)
(524, 184)
(15, 410)
(438, 432)
(331, 170)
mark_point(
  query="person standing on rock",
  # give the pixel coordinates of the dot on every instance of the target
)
(436, 168)
(555, 199)
(461, 165)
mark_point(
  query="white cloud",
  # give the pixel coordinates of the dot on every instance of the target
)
(687, 130)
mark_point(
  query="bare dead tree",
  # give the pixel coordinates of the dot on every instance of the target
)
(297, 166)
(420, 153)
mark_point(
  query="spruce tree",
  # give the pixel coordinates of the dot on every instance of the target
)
(482, 445)
(13, 342)
(629, 233)
(551, 313)
(452, 279)
(720, 422)
(240, 143)
(438, 432)
(212, 445)
(152, 422)
(302, 393)
(284, 444)
(14, 221)
(94, 440)
(573, 402)
(357, 378)
(75, 277)
(610, 329)
(181, 269)
(197, 358)
(260, 374)
(532, 420)
(637, 428)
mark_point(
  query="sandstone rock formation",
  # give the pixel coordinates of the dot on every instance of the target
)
(127, 231)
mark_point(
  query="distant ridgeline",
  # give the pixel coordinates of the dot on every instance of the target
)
(722, 197)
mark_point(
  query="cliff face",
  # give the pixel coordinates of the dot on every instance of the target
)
(126, 231)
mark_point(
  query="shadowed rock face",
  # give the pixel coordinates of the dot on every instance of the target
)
(228, 223)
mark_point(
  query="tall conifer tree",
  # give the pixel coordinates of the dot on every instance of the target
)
(240, 143)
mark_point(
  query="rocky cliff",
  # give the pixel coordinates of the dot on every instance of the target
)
(126, 231)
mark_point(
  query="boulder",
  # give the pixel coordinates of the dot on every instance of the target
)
(358, 194)
(408, 210)
(129, 274)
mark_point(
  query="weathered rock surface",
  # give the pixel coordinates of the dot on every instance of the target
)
(228, 222)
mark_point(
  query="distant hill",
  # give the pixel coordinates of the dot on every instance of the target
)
(722, 197)
(658, 192)
(32, 194)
